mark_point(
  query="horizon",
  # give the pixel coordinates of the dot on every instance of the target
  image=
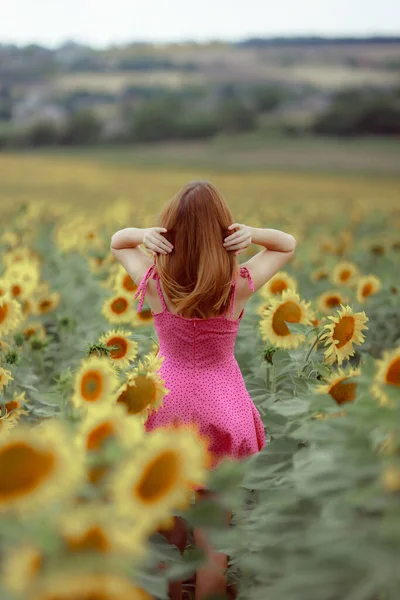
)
(203, 42)
(52, 23)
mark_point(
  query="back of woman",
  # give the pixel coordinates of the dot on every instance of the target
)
(197, 292)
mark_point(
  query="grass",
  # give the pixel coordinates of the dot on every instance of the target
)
(369, 156)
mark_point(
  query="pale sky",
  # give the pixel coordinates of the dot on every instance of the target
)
(103, 22)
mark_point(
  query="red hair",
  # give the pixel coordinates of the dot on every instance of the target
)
(197, 275)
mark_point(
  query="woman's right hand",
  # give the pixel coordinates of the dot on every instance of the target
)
(240, 239)
(156, 243)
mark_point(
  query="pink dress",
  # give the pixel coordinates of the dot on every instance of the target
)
(205, 382)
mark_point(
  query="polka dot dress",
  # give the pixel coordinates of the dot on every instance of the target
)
(205, 382)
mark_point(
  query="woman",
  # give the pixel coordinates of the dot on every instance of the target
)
(191, 285)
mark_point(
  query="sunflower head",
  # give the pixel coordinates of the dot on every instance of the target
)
(277, 284)
(121, 348)
(367, 286)
(345, 273)
(387, 377)
(341, 386)
(95, 382)
(287, 308)
(343, 333)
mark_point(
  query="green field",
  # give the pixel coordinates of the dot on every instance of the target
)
(246, 152)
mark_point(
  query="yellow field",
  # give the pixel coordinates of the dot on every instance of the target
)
(84, 488)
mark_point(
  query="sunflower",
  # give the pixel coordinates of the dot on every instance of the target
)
(95, 382)
(16, 407)
(366, 286)
(391, 478)
(35, 328)
(94, 527)
(5, 286)
(36, 467)
(290, 308)
(144, 317)
(21, 286)
(5, 378)
(10, 238)
(279, 282)
(94, 585)
(387, 374)
(160, 477)
(319, 274)
(329, 300)
(118, 308)
(345, 273)
(102, 423)
(123, 282)
(344, 331)
(339, 386)
(10, 314)
(22, 255)
(45, 302)
(143, 391)
(21, 566)
(125, 349)
(262, 308)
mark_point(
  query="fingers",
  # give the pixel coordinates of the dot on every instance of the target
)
(163, 243)
(232, 238)
(238, 246)
(157, 242)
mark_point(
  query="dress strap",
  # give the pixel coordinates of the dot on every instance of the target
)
(141, 290)
(243, 272)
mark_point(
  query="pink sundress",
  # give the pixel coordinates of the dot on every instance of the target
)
(205, 382)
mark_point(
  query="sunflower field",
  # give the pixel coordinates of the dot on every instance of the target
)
(87, 497)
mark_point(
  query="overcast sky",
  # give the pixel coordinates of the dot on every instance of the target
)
(101, 22)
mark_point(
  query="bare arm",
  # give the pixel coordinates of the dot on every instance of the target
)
(273, 239)
(279, 248)
(130, 237)
(125, 246)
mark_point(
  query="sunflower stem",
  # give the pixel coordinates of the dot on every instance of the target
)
(273, 379)
(311, 349)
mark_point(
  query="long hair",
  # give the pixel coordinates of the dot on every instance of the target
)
(197, 275)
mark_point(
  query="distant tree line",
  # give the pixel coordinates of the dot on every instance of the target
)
(314, 41)
(176, 116)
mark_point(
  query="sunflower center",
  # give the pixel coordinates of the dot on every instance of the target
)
(393, 373)
(3, 312)
(345, 274)
(159, 477)
(278, 286)
(288, 311)
(333, 301)
(121, 349)
(22, 469)
(137, 397)
(93, 539)
(44, 305)
(16, 290)
(119, 305)
(145, 315)
(12, 405)
(128, 283)
(343, 392)
(343, 331)
(28, 333)
(98, 435)
(367, 289)
(91, 386)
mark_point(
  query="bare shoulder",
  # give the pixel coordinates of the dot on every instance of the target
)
(261, 267)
